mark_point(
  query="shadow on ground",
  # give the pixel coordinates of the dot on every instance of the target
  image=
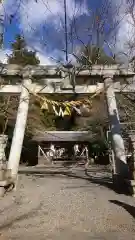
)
(24, 216)
(90, 176)
(130, 209)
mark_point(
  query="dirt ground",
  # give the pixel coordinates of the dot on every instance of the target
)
(69, 205)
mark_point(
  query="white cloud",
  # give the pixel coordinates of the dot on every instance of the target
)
(44, 60)
(126, 28)
(33, 14)
(4, 55)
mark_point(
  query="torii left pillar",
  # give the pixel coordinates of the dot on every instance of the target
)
(19, 130)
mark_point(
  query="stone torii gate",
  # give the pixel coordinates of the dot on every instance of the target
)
(54, 79)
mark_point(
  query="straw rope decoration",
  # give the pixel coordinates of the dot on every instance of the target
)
(65, 108)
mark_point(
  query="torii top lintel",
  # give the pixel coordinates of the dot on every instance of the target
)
(58, 71)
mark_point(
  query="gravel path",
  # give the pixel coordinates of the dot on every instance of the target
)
(70, 206)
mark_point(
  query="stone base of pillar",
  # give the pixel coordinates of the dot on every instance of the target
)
(130, 186)
(119, 182)
(6, 183)
(123, 185)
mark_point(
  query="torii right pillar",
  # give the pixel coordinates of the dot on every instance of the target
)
(120, 167)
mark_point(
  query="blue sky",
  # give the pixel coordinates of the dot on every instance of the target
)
(10, 32)
(41, 23)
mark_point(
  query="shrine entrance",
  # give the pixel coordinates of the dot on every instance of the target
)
(63, 147)
(59, 80)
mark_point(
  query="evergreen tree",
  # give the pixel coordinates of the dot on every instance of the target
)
(21, 55)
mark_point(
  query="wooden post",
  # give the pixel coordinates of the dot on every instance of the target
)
(19, 130)
(121, 167)
(132, 159)
(3, 143)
